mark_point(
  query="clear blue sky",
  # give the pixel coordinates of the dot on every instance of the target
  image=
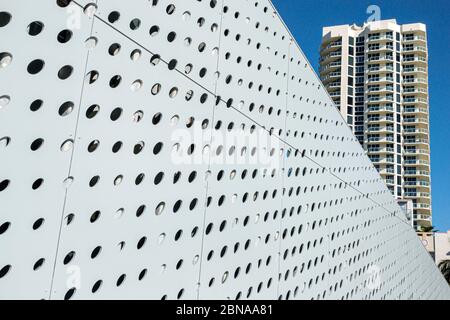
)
(306, 18)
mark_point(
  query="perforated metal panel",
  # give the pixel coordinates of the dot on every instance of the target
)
(185, 149)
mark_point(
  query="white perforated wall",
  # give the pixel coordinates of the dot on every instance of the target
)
(119, 179)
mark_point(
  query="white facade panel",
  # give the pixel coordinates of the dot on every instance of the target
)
(200, 158)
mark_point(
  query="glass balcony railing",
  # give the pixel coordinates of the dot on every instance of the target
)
(335, 44)
(415, 120)
(381, 58)
(418, 80)
(414, 38)
(415, 141)
(419, 69)
(381, 79)
(380, 69)
(334, 85)
(417, 194)
(380, 129)
(416, 162)
(381, 108)
(422, 206)
(375, 119)
(330, 65)
(415, 100)
(377, 48)
(415, 130)
(417, 183)
(380, 149)
(415, 110)
(417, 172)
(380, 89)
(384, 37)
(421, 217)
(415, 90)
(331, 55)
(415, 48)
(416, 151)
(379, 139)
(413, 59)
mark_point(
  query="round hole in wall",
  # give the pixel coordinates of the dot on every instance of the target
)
(63, 3)
(36, 105)
(160, 208)
(156, 88)
(170, 9)
(120, 280)
(96, 286)
(67, 145)
(95, 216)
(38, 264)
(115, 114)
(138, 147)
(157, 118)
(5, 59)
(142, 274)
(35, 28)
(93, 145)
(96, 252)
(135, 24)
(4, 101)
(64, 36)
(66, 108)
(4, 270)
(91, 43)
(154, 31)
(91, 76)
(36, 144)
(135, 54)
(113, 16)
(117, 146)
(115, 81)
(38, 223)
(114, 49)
(69, 294)
(92, 111)
(37, 184)
(35, 66)
(65, 72)
(4, 227)
(139, 179)
(69, 257)
(5, 18)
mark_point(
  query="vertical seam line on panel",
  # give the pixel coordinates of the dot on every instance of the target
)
(328, 275)
(283, 171)
(71, 161)
(210, 155)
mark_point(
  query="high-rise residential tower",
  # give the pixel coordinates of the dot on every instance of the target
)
(377, 75)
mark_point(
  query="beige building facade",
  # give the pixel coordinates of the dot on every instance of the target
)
(377, 75)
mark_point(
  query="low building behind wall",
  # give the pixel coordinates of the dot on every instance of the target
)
(442, 246)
